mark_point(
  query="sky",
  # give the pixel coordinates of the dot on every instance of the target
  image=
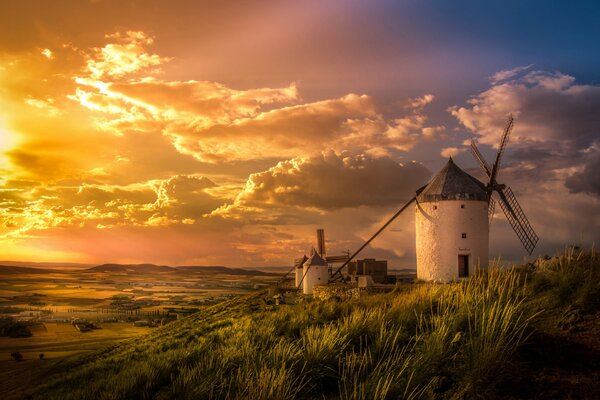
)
(226, 133)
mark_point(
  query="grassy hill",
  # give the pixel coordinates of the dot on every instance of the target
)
(496, 335)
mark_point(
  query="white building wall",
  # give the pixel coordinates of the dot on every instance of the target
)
(299, 272)
(439, 229)
(316, 275)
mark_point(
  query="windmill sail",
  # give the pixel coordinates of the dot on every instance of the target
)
(491, 209)
(517, 219)
(479, 157)
(503, 142)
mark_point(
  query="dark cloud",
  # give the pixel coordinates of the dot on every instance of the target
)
(588, 179)
(557, 128)
(332, 181)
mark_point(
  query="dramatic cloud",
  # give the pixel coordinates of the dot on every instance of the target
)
(331, 181)
(139, 147)
(557, 125)
(215, 123)
(552, 158)
(587, 179)
(548, 107)
(177, 200)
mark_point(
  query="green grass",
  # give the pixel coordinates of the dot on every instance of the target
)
(420, 341)
(571, 278)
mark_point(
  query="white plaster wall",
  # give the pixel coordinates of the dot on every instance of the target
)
(299, 272)
(439, 238)
(316, 275)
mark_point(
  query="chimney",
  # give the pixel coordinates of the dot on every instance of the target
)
(321, 242)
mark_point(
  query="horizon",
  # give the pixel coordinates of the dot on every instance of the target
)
(230, 139)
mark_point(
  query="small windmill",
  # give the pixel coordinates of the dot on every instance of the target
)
(508, 202)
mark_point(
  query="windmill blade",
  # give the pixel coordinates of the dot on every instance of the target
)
(491, 209)
(479, 157)
(517, 219)
(507, 130)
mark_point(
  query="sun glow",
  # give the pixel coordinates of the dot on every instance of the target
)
(8, 141)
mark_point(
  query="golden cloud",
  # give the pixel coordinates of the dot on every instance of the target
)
(214, 123)
(125, 57)
(328, 181)
(178, 200)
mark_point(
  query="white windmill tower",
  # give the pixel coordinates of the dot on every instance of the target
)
(315, 271)
(453, 212)
(452, 218)
(451, 223)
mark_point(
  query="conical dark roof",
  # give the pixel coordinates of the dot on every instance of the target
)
(314, 259)
(452, 183)
(299, 262)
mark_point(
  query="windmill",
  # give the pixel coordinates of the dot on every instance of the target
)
(508, 202)
(453, 213)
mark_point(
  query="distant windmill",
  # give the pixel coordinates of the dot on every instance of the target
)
(453, 212)
(508, 202)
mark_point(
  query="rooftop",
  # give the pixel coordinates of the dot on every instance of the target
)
(315, 259)
(452, 183)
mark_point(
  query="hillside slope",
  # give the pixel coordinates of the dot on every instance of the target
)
(481, 338)
(135, 268)
(15, 270)
(226, 270)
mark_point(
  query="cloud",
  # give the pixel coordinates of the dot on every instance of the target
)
(557, 126)
(548, 107)
(179, 199)
(587, 179)
(508, 73)
(47, 53)
(47, 105)
(125, 57)
(451, 151)
(418, 103)
(330, 181)
(215, 123)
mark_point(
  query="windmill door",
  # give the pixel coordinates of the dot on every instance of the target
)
(463, 266)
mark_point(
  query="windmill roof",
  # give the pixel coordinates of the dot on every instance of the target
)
(315, 259)
(452, 183)
(299, 262)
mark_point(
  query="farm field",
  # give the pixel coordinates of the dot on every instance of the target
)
(70, 312)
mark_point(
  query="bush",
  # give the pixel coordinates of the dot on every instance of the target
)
(17, 356)
(12, 328)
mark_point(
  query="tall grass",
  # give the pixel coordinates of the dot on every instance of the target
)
(571, 278)
(426, 341)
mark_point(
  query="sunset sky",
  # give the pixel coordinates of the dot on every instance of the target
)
(227, 132)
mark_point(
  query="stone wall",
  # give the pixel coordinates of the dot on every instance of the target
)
(343, 292)
(338, 291)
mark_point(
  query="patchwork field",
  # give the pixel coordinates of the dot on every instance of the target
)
(58, 306)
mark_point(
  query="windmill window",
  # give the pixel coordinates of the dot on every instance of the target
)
(464, 235)
(462, 206)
